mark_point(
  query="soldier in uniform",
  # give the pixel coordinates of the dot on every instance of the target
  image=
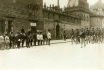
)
(7, 41)
(44, 38)
(38, 38)
(72, 36)
(77, 36)
(34, 38)
(92, 35)
(27, 40)
(11, 37)
(83, 35)
(64, 35)
(18, 40)
(87, 35)
(99, 35)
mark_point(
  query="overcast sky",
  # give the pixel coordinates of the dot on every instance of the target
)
(64, 2)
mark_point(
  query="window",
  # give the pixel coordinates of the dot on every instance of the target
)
(14, 1)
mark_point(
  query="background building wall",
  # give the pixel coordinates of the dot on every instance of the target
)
(96, 22)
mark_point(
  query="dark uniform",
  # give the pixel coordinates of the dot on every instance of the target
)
(72, 36)
(88, 36)
(18, 40)
(82, 35)
(92, 33)
(77, 36)
(34, 39)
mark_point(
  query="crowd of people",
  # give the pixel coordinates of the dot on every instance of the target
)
(87, 36)
(28, 39)
(24, 39)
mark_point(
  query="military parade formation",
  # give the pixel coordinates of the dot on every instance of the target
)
(87, 36)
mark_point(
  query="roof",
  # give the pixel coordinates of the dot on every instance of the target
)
(98, 5)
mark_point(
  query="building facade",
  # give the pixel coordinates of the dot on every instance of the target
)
(97, 17)
(15, 13)
(36, 16)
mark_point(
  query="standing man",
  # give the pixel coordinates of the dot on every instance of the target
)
(64, 35)
(88, 36)
(18, 40)
(41, 38)
(22, 29)
(38, 38)
(82, 35)
(34, 38)
(7, 41)
(44, 38)
(49, 37)
(77, 36)
(2, 42)
(72, 36)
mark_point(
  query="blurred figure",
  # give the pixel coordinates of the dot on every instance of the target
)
(38, 38)
(22, 29)
(31, 39)
(49, 37)
(11, 37)
(87, 36)
(64, 35)
(27, 40)
(7, 41)
(82, 35)
(77, 36)
(72, 36)
(44, 38)
(18, 40)
(2, 42)
(41, 38)
(34, 38)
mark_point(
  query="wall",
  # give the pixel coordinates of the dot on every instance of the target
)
(21, 14)
(96, 22)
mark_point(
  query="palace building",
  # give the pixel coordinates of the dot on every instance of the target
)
(32, 14)
(97, 17)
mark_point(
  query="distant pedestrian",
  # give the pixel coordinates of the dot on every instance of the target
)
(22, 29)
(2, 42)
(38, 38)
(72, 36)
(87, 36)
(19, 40)
(82, 35)
(64, 35)
(49, 37)
(44, 38)
(77, 36)
(41, 38)
(7, 41)
(34, 38)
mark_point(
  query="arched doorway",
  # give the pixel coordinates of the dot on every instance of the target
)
(57, 31)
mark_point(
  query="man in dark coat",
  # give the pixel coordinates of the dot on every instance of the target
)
(34, 38)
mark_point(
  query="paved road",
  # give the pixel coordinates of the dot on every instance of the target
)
(63, 56)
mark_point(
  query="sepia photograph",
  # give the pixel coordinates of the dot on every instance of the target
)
(51, 34)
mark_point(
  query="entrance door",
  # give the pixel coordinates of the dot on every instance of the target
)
(2, 26)
(9, 26)
(33, 29)
(57, 31)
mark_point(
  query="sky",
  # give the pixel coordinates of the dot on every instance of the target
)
(64, 2)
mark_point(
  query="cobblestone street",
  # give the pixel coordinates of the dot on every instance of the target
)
(62, 56)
